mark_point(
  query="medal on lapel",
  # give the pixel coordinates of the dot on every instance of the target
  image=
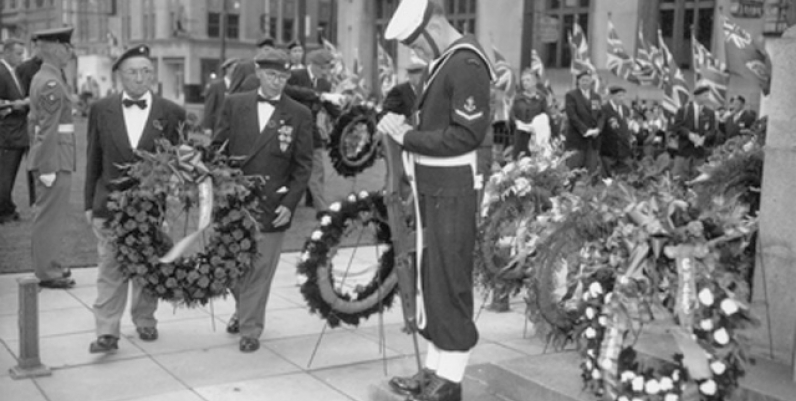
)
(285, 136)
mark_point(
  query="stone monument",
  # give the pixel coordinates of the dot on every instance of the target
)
(775, 274)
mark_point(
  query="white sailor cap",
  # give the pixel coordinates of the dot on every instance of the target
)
(408, 22)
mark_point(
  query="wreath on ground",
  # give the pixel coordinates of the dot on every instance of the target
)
(323, 295)
(352, 143)
(191, 177)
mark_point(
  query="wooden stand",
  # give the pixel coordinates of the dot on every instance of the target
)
(29, 362)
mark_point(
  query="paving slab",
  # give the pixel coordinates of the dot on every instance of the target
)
(183, 395)
(336, 349)
(120, 380)
(184, 335)
(394, 338)
(7, 360)
(20, 390)
(48, 300)
(213, 366)
(51, 322)
(72, 350)
(298, 386)
(356, 380)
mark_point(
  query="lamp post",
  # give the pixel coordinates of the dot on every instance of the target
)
(223, 26)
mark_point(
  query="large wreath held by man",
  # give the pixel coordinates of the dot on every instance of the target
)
(190, 177)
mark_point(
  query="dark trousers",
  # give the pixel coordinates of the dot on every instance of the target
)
(521, 139)
(10, 159)
(587, 158)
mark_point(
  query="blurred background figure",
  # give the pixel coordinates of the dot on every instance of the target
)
(214, 97)
(296, 56)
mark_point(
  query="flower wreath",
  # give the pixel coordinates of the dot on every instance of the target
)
(352, 143)
(367, 208)
(139, 214)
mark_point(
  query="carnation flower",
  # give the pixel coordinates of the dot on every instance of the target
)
(589, 364)
(706, 324)
(627, 376)
(671, 397)
(623, 398)
(596, 288)
(676, 375)
(706, 297)
(608, 297)
(652, 387)
(590, 352)
(352, 198)
(305, 256)
(326, 220)
(363, 195)
(590, 332)
(335, 207)
(595, 374)
(721, 336)
(602, 320)
(708, 387)
(316, 235)
(718, 367)
(590, 313)
(522, 185)
(666, 384)
(729, 307)
(638, 383)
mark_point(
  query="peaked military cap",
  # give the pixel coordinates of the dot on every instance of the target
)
(320, 57)
(229, 63)
(136, 51)
(59, 35)
(273, 59)
(408, 21)
(616, 89)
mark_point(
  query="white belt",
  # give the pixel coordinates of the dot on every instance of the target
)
(66, 128)
(467, 159)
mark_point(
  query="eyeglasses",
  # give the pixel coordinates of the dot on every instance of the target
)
(145, 72)
(276, 75)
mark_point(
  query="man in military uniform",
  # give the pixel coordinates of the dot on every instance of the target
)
(452, 120)
(52, 156)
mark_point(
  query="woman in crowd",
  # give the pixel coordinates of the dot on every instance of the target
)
(529, 116)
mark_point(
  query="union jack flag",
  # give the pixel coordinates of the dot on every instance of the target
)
(339, 72)
(386, 66)
(745, 56)
(646, 71)
(710, 72)
(676, 92)
(505, 84)
(537, 67)
(619, 62)
(580, 52)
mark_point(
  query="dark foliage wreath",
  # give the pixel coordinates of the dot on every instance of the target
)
(352, 144)
(139, 212)
(367, 208)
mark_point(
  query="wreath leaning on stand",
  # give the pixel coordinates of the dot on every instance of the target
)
(194, 178)
(320, 290)
(352, 143)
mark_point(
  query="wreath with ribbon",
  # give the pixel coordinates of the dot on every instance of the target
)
(352, 143)
(320, 290)
(227, 202)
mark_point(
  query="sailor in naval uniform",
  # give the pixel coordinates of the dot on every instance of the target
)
(450, 124)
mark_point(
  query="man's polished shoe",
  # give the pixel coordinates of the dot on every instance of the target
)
(104, 345)
(249, 344)
(233, 325)
(409, 385)
(439, 389)
(58, 283)
(147, 333)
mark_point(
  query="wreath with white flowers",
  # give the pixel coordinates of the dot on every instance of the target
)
(320, 290)
(352, 143)
(174, 174)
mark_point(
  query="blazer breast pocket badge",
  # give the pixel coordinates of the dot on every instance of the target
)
(285, 137)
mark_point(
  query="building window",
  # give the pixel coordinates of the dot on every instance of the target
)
(233, 26)
(779, 15)
(384, 11)
(461, 14)
(558, 54)
(213, 25)
(685, 17)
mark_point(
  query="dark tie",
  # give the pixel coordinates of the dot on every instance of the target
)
(141, 103)
(272, 102)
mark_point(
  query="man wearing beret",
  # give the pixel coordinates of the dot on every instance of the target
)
(119, 125)
(451, 122)
(273, 135)
(694, 125)
(585, 121)
(311, 87)
(52, 157)
(615, 147)
(401, 98)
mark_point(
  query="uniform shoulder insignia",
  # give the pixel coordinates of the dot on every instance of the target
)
(469, 110)
(51, 84)
(50, 99)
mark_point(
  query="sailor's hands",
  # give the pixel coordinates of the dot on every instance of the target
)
(395, 126)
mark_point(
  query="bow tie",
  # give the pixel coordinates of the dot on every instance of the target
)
(272, 102)
(141, 103)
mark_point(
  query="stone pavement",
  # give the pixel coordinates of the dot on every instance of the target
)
(195, 359)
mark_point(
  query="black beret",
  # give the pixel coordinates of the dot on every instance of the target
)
(616, 89)
(266, 41)
(137, 51)
(320, 57)
(273, 59)
(700, 90)
(294, 44)
(741, 98)
(582, 73)
(59, 35)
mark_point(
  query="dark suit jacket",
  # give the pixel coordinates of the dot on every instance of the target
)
(289, 168)
(615, 140)
(27, 70)
(685, 122)
(109, 145)
(582, 115)
(737, 122)
(400, 100)
(214, 98)
(13, 127)
(301, 88)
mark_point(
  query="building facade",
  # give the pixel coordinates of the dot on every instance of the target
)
(515, 27)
